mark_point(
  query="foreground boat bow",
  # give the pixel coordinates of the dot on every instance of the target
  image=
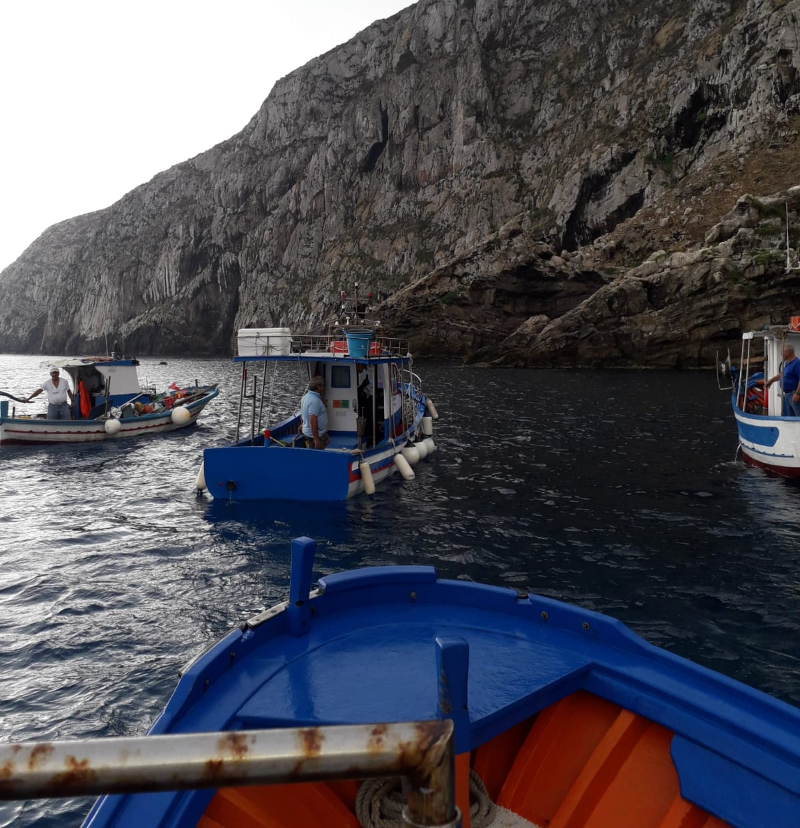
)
(561, 717)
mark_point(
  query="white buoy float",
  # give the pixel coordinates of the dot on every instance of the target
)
(403, 467)
(181, 415)
(422, 449)
(411, 453)
(431, 408)
(200, 483)
(431, 446)
(427, 426)
(366, 476)
(112, 427)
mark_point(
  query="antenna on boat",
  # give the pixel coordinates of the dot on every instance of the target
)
(106, 343)
(788, 264)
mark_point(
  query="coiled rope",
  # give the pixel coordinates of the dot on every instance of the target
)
(379, 803)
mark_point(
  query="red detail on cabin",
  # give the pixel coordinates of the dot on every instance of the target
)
(339, 346)
(794, 323)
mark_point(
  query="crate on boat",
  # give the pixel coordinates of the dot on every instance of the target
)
(264, 342)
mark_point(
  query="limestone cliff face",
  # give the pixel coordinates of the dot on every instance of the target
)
(678, 310)
(414, 151)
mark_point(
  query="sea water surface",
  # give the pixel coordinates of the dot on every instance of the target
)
(617, 490)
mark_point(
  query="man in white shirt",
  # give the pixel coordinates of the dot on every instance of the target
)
(57, 391)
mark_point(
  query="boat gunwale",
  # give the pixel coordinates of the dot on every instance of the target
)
(595, 635)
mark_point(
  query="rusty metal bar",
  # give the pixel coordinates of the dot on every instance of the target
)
(422, 752)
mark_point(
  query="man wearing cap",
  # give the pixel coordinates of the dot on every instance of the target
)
(57, 392)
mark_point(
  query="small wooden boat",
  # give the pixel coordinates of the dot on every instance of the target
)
(560, 717)
(768, 438)
(109, 404)
(379, 419)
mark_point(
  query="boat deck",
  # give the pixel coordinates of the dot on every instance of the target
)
(569, 717)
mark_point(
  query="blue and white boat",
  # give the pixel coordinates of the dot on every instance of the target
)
(110, 404)
(379, 419)
(501, 708)
(767, 438)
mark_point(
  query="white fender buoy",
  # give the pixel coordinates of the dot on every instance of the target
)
(200, 483)
(427, 426)
(366, 476)
(411, 453)
(403, 467)
(181, 415)
(430, 444)
(431, 408)
(112, 427)
(422, 449)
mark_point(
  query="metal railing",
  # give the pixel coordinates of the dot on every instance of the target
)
(337, 344)
(421, 752)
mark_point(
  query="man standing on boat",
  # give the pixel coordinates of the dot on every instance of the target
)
(790, 382)
(57, 392)
(314, 415)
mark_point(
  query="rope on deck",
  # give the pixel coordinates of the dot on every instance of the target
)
(379, 803)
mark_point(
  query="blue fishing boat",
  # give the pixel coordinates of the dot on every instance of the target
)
(499, 707)
(109, 404)
(769, 435)
(379, 419)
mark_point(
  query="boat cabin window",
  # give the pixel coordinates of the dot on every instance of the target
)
(340, 376)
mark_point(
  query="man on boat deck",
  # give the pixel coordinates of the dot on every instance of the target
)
(314, 415)
(57, 392)
(790, 382)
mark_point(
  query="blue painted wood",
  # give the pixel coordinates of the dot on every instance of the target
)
(372, 576)
(452, 672)
(725, 788)
(278, 474)
(760, 435)
(299, 610)
(392, 644)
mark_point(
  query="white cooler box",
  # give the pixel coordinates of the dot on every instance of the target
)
(265, 341)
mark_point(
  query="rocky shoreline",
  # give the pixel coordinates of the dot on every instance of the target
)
(522, 182)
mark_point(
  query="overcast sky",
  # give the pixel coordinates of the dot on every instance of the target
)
(98, 97)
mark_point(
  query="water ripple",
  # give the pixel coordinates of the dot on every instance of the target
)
(625, 501)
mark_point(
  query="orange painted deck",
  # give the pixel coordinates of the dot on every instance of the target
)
(581, 763)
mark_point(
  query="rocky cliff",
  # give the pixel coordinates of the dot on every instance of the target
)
(513, 160)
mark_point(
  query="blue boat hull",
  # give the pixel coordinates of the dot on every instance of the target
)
(396, 643)
(283, 469)
(258, 473)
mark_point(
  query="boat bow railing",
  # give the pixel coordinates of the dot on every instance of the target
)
(421, 752)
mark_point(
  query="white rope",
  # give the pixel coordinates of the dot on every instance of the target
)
(379, 803)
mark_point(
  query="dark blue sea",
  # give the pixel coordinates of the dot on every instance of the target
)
(617, 490)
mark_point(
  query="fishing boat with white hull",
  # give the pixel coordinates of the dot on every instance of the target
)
(769, 436)
(500, 708)
(380, 421)
(109, 403)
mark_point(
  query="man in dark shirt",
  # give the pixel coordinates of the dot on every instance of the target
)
(790, 382)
